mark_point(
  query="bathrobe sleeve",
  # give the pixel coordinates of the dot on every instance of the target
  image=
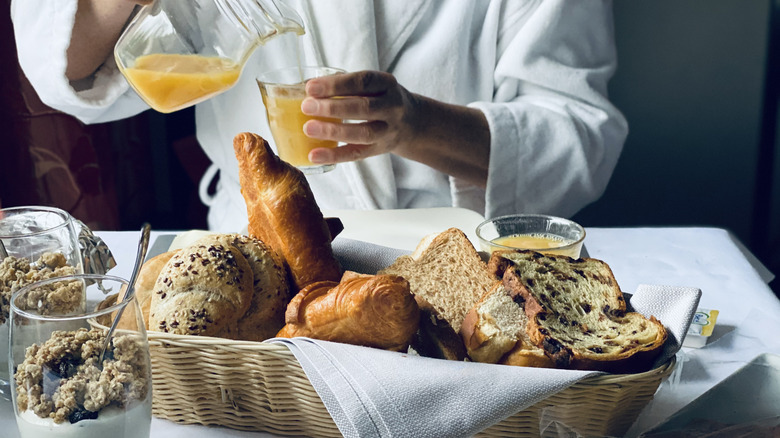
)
(42, 29)
(555, 137)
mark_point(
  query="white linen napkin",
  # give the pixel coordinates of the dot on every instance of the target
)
(372, 392)
(378, 393)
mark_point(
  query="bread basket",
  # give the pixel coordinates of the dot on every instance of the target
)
(261, 387)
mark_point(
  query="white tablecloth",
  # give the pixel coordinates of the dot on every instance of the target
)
(707, 258)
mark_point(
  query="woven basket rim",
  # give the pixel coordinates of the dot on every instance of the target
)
(209, 341)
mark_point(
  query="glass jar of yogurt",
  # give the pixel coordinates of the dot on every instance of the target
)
(64, 385)
(36, 243)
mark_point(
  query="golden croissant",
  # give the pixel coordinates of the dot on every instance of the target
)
(371, 310)
(283, 212)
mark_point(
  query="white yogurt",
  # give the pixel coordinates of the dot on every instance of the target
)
(111, 422)
(4, 342)
(5, 377)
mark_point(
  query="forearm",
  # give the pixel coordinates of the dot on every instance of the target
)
(96, 29)
(453, 139)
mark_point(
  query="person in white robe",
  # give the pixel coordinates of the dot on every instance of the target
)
(499, 106)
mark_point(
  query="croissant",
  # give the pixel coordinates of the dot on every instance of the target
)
(283, 212)
(371, 310)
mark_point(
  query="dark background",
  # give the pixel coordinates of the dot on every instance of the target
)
(697, 81)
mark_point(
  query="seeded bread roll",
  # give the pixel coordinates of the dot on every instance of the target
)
(265, 315)
(204, 289)
(577, 314)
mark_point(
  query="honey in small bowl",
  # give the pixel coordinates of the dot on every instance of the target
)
(542, 233)
(545, 243)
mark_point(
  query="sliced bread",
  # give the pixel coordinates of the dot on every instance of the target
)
(576, 312)
(494, 331)
(446, 275)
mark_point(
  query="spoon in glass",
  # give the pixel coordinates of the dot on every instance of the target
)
(143, 244)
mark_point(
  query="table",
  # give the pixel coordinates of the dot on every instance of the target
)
(731, 279)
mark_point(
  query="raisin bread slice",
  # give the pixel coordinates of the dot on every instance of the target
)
(577, 314)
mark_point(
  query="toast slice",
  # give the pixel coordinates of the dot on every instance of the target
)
(447, 277)
(576, 312)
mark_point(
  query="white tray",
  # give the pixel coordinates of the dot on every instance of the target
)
(401, 229)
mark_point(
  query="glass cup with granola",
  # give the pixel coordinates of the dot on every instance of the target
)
(64, 384)
(36, 243)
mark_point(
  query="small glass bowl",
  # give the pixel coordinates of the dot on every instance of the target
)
(537, 232)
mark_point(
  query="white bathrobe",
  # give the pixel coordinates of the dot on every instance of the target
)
(537, 69)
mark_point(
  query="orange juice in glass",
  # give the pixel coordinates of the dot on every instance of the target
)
(283, 91)
(169, 82)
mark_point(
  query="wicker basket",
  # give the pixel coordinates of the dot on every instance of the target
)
(261, 387)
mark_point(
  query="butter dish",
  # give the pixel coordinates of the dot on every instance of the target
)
(701, 328)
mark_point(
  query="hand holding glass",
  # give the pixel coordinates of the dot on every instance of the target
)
(283, 91)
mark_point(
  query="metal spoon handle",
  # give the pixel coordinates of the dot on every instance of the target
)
(143, 244)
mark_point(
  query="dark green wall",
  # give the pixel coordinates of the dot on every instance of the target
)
(690, 81)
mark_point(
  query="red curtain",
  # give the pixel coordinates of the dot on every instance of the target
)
(112, 175)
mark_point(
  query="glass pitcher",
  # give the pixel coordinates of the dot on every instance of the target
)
(176, 53)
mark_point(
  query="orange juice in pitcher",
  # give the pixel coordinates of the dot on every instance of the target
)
(170, 82)
(177, 53)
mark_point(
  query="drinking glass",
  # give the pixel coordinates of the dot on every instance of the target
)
(35, 243)
(283, 91)
(61, 386)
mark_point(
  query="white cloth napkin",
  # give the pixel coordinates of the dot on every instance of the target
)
(372, 392)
